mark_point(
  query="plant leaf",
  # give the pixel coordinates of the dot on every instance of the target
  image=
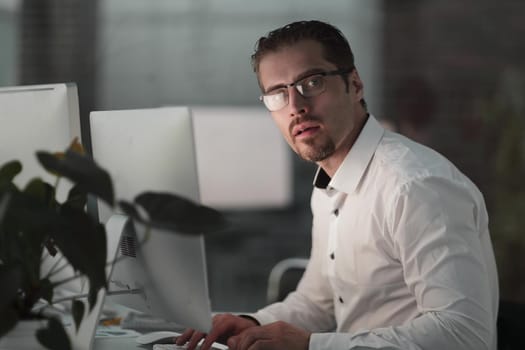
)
(82, 170)
(30, 216)
(4, 202)
(129, 209)
(43, 192)
(54, 336)
(25, 224)
(8, 320)
(78, 312)
(82, 241)
(175, 213)
(93, 293)
(46, 290)
(49, 244)
(77, 197)
(21, 242)
(10, 280)
(8, 171)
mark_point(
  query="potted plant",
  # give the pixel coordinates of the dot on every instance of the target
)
(34, 223)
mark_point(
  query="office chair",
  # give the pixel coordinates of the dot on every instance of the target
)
(511, 326)
(284, 277)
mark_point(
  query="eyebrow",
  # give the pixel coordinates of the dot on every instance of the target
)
(303, 75)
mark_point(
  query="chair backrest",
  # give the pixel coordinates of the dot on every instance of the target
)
(284, 277)
(511, 326)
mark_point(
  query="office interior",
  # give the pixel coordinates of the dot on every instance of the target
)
(448, 74)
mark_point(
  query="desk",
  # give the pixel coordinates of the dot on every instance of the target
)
(112, 336)
(129, 342)
(118, 343)
(126, 343)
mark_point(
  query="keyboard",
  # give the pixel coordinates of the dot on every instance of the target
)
(163, 341)
(170, 347)
(183, 347)
(144, 323)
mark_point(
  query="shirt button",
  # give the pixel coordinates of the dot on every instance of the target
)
(336, 212)
(341, 300)
(332, 256)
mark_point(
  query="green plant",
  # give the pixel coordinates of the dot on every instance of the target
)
(33, 223)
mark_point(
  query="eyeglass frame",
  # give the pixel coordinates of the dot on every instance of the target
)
(296, 85)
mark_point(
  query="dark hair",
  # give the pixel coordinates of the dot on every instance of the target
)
(336, 48)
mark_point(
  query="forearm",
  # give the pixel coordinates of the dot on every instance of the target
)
(431, 331)
(298, 310)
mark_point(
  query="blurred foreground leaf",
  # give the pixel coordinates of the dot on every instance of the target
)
(10, 280)
(82, 170)
(78, 312)
(54, 336)
(174, 213)
(82, 240)
(8, 172)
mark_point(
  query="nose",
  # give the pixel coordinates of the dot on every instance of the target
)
(297, 103)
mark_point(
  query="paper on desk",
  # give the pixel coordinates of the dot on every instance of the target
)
(115, 332)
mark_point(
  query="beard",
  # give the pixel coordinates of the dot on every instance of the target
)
(314, 150)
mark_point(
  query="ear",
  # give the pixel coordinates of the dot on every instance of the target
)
(356, 85)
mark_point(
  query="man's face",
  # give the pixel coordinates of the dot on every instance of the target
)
(318, 127)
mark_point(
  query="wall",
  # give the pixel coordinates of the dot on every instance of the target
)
(464, 60)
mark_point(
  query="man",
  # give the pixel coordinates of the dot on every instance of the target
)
(401, 255)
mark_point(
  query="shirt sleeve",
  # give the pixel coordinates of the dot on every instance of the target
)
(308, 307)
(439, 227)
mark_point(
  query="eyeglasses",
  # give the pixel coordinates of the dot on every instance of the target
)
(309, 86)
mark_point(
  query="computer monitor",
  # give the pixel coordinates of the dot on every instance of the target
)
(153, 149)
(263, 179)
(45, 117)
(33, 118)
(37, 117)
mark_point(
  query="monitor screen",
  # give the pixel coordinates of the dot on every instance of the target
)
(34, 118)
(45, 117)
(153, 149)
(262, 180)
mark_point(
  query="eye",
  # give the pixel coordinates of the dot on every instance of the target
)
(314, 82)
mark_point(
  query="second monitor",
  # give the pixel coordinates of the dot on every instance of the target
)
(153, 149)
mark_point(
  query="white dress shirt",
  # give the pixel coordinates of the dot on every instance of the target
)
(401, 255)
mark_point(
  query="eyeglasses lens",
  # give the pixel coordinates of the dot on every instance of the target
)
(307, 87)
(275, 101)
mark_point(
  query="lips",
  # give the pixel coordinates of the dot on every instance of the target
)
(304, 129)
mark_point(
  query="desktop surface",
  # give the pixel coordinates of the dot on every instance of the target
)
(121, 327)
(118, 343)
(121, 342)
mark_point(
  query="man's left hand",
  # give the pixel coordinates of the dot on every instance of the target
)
(277, 335)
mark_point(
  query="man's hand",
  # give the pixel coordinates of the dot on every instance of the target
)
(278, 335)
(223, 327)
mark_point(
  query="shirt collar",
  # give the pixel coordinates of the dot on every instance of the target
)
(350, 172)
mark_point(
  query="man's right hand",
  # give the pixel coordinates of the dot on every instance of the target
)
(224, 326)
